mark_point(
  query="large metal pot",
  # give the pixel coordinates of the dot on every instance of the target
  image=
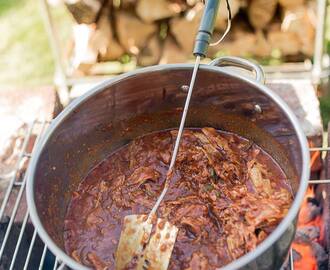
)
(151, 99)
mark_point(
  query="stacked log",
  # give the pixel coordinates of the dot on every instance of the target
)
(163, 31)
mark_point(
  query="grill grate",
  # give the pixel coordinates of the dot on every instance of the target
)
(20, 246)
(35, 254)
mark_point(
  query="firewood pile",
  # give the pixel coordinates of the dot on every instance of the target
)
(163, 31)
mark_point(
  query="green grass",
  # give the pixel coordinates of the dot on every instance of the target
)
(325, 109)
(25, 55)
(327, 29)
(325, 100)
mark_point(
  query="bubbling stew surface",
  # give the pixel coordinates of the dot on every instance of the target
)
(226, 196)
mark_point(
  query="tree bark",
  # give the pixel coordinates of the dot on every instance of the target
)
(261, 12)
(104, 41)
(287, 42)
(262, 46)
(150, 11)
(150, 54)
(300, 21)
(291, 4)
(84, 11)
(133, 33)
(185, 29)
(171, 52)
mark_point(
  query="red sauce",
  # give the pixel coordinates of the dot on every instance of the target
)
(226, 196)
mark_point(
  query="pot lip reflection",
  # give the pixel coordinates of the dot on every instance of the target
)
(67, 112)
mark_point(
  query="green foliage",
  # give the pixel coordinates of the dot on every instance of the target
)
(327, 29)
(126, 58)
(325, 109)
(163, 30)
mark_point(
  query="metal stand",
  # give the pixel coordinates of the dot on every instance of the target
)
(60, 76)
(319, 42)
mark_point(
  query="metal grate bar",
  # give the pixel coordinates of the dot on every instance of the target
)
(17, 167)
(28, 155)
(27, 260)
(61, 267)
(291, 259)
(21, 190)
(42, 260)
(19, 185)
(319, 181)
(55, 264)
(12, 218)
(313, 149)
(19, 240)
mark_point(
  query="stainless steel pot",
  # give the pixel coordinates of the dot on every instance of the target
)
(151, 99)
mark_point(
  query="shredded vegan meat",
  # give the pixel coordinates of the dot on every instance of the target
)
(226, 196)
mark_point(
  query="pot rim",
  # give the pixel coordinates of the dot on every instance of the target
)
(236, 264)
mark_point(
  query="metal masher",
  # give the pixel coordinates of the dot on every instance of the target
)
(146, 242)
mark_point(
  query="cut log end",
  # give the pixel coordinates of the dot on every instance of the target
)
(171, 52)
(261, 12)
(84, 11)
(150, 11)
(150, 54)
(132, 32)
(164, 31)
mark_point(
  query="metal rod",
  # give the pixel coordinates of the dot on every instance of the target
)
(17, 167)
(55, 264)
(18, 183)
(30, 250)
(18, 244)
(319, 181)
(184, 114)
(319, 41)
(13, 182)
(178, 138)
(291, 260)
(313, 149)
(43, 256)
(61, 267)
(60, 74)
(18, 199)
(12, 218)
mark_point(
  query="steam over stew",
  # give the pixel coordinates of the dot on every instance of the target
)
(226, 196)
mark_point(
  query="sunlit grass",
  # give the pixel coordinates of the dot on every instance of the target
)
(325, 109)
(25, 55)
(327, 29)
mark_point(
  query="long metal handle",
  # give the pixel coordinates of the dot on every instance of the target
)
(178, 137)
(241, 63)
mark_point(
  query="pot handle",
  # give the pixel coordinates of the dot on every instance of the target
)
(241, 63)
